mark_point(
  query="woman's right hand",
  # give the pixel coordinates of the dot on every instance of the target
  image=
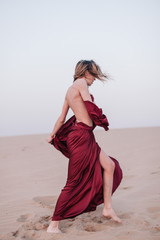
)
(49, 139)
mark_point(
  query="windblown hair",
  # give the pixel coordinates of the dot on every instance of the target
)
(89, 65)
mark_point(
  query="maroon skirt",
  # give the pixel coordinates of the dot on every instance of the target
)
(83, 190)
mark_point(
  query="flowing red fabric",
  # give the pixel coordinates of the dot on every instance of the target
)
(83, 190)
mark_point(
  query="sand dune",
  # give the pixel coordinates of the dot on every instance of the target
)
(33, 174)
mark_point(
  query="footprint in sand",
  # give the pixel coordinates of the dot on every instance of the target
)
(90, 228)
(33, 228)
(97, 219)
(94, 227)
(86, 222)
(24, 218)
(67, 224)
(99, 225)
(46, 201)
(37, 223)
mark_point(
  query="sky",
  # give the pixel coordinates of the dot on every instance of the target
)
(41, 42)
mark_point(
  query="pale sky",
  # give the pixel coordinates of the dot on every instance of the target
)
(41, 42)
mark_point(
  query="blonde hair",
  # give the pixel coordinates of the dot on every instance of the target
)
(89, 65)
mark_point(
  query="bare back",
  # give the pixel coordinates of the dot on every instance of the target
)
(76, 94)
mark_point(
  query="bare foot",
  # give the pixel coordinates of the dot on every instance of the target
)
(53, 228)
(109, 213)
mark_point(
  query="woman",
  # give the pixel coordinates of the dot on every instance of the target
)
(92, 175)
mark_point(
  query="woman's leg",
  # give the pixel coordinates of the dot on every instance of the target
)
(108, 166)
(53, 227)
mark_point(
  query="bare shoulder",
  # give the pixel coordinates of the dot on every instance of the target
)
(81, 83)
(78, 89)
(83, 89)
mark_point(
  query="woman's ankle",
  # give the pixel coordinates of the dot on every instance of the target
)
(55, 223)
(108, 207)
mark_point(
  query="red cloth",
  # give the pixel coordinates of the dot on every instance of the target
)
(83, 190)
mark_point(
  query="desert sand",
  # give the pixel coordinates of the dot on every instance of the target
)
(33, 173)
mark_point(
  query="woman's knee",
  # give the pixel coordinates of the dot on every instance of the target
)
(107, 163)
(110, 167)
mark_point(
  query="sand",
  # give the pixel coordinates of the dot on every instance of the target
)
(33, 173)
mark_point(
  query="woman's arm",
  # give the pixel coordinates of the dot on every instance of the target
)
(60, 120)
